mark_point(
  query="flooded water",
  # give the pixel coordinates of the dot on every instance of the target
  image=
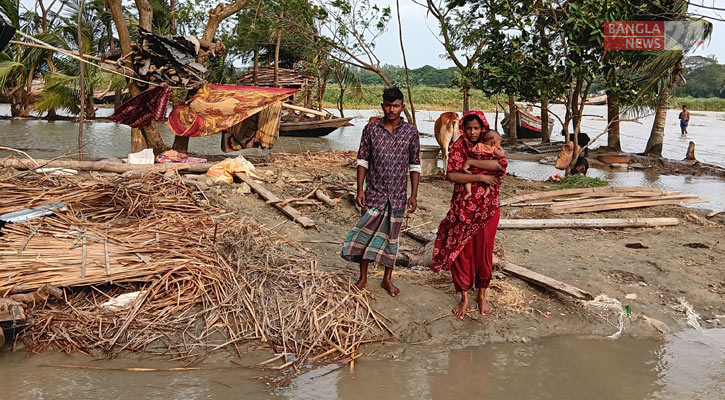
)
(106, 139)
(688, 365)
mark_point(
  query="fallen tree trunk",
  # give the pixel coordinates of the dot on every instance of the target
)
(105, 166)
(586, 223)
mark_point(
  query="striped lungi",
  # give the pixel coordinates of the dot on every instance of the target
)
(375, 237)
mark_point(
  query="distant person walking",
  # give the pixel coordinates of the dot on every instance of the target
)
(684, 120)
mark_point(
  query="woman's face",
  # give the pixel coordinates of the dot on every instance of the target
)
(472, 129)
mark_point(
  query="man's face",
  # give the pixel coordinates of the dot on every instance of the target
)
(392, 109)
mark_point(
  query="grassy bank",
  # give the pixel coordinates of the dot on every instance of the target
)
(698, 104)
(450, 99)
(424, 98)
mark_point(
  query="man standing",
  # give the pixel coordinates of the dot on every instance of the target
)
(389, 151)
(684, 120)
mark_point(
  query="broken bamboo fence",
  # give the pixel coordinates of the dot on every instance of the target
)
(209, 281)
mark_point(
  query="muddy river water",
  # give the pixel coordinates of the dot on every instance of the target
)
(687, 365)
(106, 139)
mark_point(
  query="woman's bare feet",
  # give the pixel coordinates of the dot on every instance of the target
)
(467, 196)
(361, 283)
(483, 306)
(392, 289)
(462, 307)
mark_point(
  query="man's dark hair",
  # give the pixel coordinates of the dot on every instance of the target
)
(392, 94)
(684, 106)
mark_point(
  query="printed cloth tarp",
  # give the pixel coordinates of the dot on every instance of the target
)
(215, 108)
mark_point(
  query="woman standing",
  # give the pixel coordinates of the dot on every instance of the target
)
(464, 243)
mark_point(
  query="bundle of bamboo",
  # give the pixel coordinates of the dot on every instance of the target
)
(206, 282)
(570, 201)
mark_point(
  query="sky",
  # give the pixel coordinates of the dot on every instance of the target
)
(423, 46)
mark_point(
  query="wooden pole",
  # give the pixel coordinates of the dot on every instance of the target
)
(405, 65)
(105, 166)
(83, 84)
(269, 196)
(586, 223)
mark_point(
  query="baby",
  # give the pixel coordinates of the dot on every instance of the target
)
(488, 148)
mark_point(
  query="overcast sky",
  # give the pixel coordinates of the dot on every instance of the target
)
(423, 47)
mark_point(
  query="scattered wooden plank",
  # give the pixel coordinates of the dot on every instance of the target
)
(544, 281)
(607, 207)
(619, 200)
(568, 192)
(586, 223)
(320, 194)
(269, 196)
(714, 213)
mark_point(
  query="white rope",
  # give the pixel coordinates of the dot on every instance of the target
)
(691, 315)
(602, 305)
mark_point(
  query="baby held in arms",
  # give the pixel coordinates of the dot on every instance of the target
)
(489, 148)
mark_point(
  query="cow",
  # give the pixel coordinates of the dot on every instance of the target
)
(446, 132)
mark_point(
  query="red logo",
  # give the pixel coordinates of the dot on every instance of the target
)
(634, 35)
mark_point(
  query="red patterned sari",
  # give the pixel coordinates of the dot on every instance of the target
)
(464, 243)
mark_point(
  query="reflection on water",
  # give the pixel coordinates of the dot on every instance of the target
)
(687, 365)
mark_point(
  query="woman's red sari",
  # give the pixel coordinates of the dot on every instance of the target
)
(467, 218)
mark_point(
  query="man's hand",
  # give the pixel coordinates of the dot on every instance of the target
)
(360, 199)
(488, 179)
(412, 204)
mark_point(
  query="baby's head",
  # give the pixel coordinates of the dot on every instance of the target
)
(491, 138)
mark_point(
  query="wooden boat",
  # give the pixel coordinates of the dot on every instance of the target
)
(597, 101)
(528, 126)
(314, 128)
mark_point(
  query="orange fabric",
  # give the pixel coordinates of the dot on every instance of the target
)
(215, 108)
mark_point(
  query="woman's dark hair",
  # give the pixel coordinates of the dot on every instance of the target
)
(392, 94)
(471, 117)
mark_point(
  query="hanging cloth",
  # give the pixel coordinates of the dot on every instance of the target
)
(150, 105)
(215, 108)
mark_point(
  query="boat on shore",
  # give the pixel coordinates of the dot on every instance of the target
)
(528, 125)
(312, 128)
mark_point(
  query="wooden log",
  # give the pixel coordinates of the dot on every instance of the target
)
(269, 196)
(567, 192)
(586, 223)
(105, 166)
(305, 110)
(637, 204)
(544, 281)
(320, 194)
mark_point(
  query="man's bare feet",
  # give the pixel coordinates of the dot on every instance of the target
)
(462, 307)
(392, 289)
(483, 306)
(361, 283)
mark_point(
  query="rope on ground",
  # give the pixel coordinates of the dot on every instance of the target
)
(691, 315)
(602, 305)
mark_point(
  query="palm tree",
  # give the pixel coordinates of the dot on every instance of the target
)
(62, 88)
(662, 70)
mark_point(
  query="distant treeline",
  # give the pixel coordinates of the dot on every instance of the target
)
(705, 77)
(423, 76)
